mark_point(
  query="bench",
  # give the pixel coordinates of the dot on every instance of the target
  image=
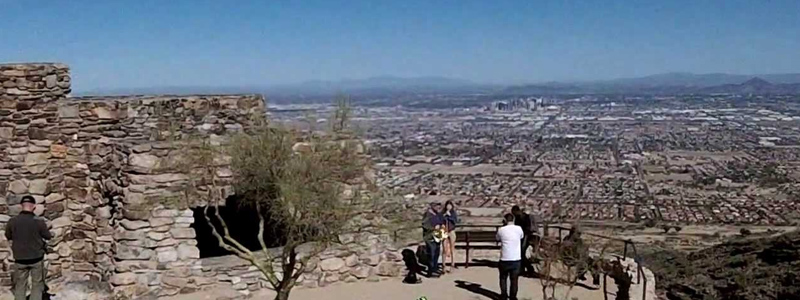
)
(480, 237)
(472, 237)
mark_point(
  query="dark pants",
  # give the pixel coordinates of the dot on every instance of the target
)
(433, 256)
(509, 269)
(20, 278)
(527, 266)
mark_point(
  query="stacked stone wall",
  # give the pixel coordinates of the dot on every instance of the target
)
(89, 164)
(373, 258)
(95, 167)
(29, 137)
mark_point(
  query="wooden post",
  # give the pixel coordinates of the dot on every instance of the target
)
(644, 286)
(466, 262)
(625, 251)
(638, 262)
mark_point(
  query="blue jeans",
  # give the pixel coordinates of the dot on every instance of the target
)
(433, 256)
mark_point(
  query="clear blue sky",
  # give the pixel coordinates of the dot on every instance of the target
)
(141, 43)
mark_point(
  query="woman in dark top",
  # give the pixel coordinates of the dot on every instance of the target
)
(449, 246)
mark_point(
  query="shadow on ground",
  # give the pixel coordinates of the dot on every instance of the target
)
(561, 281)
(477, 289)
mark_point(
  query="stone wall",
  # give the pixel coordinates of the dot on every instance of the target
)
(88, 162)
(373, 259)
(94, 166)
(30, 147)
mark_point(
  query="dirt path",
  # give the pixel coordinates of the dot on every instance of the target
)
(473, 283)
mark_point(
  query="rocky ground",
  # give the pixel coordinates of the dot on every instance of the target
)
(741, 269)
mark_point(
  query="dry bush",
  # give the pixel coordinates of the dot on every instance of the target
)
(313, 195)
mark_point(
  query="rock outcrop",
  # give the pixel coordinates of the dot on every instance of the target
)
(748, 269)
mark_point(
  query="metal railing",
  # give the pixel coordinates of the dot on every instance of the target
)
(626, 244)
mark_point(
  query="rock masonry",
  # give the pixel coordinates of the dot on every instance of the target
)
(92, 165)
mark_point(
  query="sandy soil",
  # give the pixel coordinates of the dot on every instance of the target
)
(472, 283)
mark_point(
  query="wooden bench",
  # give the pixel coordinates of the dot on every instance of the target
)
(470, 237)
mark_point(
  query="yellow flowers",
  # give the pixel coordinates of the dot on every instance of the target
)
(439, 235)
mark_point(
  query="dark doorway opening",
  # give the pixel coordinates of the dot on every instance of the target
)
(242, 222)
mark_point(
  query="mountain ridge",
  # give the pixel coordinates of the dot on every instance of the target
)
(672, 82)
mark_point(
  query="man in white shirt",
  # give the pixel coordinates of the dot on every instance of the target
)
(510, 237)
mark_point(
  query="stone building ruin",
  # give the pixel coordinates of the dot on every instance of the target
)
(90, 164)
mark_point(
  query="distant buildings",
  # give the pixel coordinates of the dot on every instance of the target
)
(706, 160)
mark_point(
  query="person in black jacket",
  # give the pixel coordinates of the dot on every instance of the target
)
(432, 221)
(530, 231)
(27, 234)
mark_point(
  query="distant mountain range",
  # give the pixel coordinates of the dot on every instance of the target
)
(668, 83)
(673, 83)
(380, 85)
(702, 80)
(371, 86)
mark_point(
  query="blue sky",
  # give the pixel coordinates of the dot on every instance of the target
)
(142, 43)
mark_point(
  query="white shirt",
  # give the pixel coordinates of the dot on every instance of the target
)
(510, 237)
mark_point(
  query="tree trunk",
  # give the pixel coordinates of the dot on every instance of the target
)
(284, 288)
(283, 294)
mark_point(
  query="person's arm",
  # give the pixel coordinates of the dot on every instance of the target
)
(8, 230)
(449, 218)
(43, 231)
(426, 222)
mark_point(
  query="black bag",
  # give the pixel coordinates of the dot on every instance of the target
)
(411, 278)
(422, 255)
(410, 259)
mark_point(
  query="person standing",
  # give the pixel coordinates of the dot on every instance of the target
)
(526, 222)
(451, 221)
(27, 234)
(432, 221)
(510, 237)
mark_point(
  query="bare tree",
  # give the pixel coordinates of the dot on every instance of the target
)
(565, 262)
(313, 188)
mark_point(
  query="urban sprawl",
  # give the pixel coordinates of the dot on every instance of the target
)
(726, 159)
